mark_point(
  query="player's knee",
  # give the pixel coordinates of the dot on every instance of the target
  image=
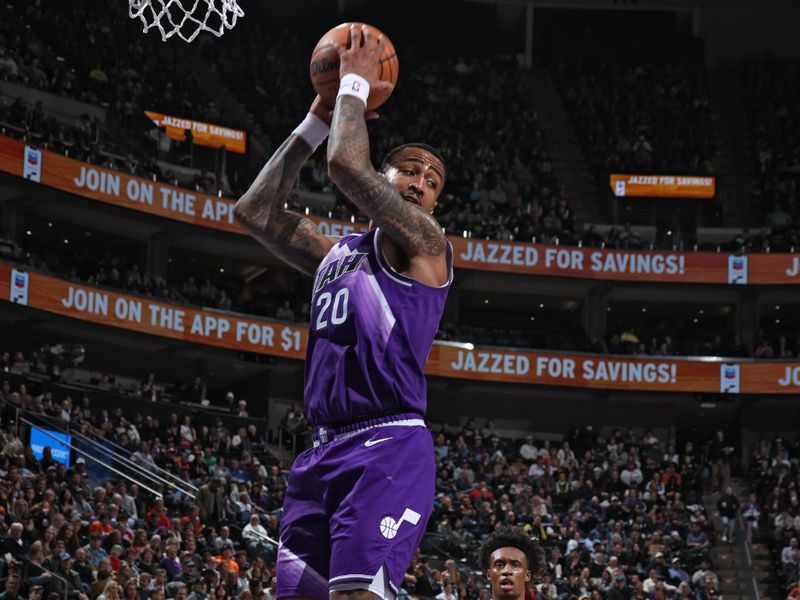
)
(355, 595)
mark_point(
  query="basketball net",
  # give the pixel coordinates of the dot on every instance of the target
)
(186, 18)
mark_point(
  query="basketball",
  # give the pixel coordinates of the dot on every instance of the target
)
(324, 66)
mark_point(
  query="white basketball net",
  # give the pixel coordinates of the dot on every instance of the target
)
(186, 18)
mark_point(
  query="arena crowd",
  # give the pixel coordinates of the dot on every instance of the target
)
(619, 515)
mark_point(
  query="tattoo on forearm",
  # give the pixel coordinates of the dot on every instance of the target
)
(348, 158)
(289, 235)
(299, 243)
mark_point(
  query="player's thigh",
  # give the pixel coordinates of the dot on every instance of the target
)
(379, 524)
(304, 554)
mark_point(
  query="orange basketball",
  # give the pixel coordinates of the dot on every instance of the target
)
(325, 66)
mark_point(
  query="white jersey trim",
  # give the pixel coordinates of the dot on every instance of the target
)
(374, 583)
(409, 281)
(384, 264)
(452, 262)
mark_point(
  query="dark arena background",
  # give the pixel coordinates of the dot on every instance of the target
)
(619, 345)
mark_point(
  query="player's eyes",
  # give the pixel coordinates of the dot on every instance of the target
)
(515, 565)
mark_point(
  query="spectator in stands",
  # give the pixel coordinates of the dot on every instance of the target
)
(150, 390)
(765, 350)
(285, 313)
(67, 583)
(703, 575)
(12, 587)
(143, 457)
(751, 513)
(528, 451)
(790, 560)
(728, 506)
(14, 545)
(697, 541)
(719, 456)
(8, 66)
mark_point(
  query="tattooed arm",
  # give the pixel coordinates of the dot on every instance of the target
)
(415, 232)
(291, 236)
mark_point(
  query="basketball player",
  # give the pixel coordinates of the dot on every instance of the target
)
(358, 502)
(510, 558)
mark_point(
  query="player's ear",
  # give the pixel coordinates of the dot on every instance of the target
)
(527, 575)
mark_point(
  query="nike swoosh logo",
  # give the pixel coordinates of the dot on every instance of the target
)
(370, 443)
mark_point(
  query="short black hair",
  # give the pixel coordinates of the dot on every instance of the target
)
(421, 146)
(513, 537)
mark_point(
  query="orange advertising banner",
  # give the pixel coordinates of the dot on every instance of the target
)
(614, 372)
(663, 186)
(203, 134)
(162, 200)
(585, 371)
(447, 359)
(626, 265)
(5, 281)
(121, 189)
(146, 315)
(11, 156)
(774, 268)
(590, 263)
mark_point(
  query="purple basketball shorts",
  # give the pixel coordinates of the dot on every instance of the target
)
(355, 510)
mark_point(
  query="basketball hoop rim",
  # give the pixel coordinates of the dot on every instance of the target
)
(172, 17)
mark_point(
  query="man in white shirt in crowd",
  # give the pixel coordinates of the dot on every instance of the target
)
(528, 451)
(631, 474)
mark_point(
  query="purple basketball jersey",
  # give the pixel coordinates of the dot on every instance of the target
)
(370, 334)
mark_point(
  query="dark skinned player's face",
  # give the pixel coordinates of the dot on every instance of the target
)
(418, 175)
(508, 573)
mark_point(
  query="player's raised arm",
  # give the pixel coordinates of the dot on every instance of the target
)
(291, 236)
(407, 224)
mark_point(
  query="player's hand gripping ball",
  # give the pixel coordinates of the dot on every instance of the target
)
(326, 61)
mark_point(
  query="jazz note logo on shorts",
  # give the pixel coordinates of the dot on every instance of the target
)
(729, 378)
(389, 526)
(737, 270)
